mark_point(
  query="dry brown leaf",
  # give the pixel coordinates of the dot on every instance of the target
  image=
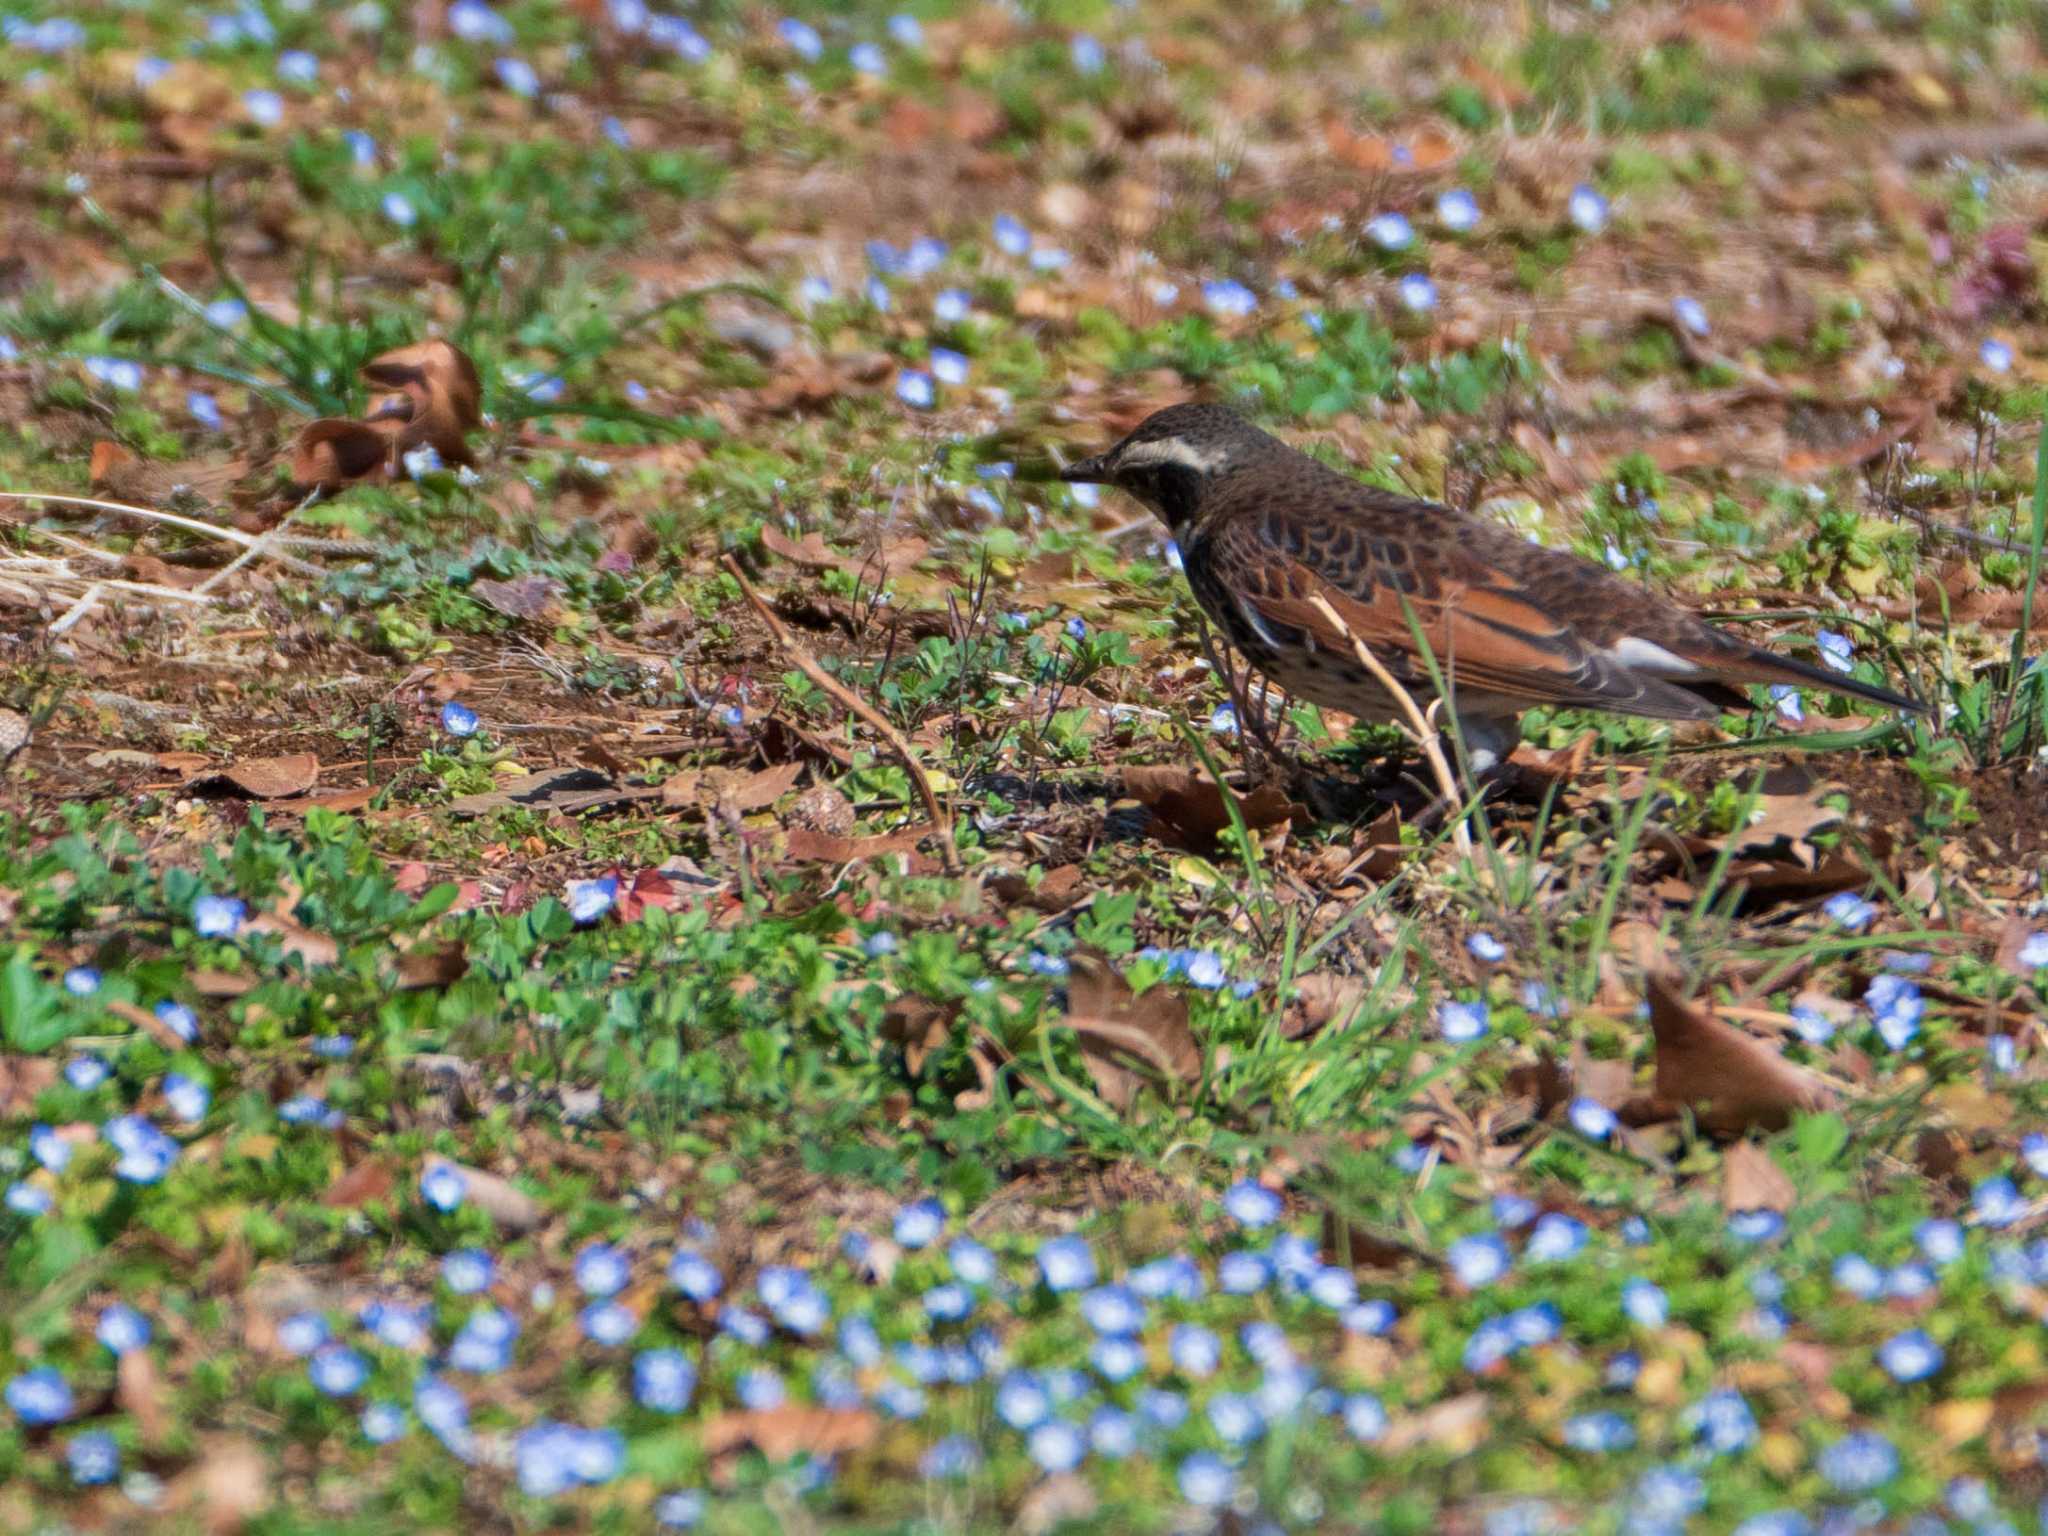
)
(1454, 1426)
(211, 983)
(791, 1430)
(725, 787)
(432, 965)
(919, 1025)
(227, 1487)
(22, 1078)
(341, 802)
(315, 949)
(140, 1392)
(1322, 998)
(1732, 1082)
(260, 778)
(875, 568)
(1752, 1181)
(14, 733)
(439, 402)
(1788, 819)
(142, 1018)
(524, 597)
(371, 1179)
(1189, 804)
(807, 846)
(1126, 1036)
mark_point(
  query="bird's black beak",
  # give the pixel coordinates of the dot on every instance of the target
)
(1089, 471)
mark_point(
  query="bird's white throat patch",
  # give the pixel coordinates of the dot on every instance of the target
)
(1173, 450)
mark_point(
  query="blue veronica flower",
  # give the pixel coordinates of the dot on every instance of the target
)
(1205, 1479)
(399, 1326)
(948, 1303)
(905, 31)
(1592, 1119)
(1908, 1282)
(398, 208)
(295, 66)
(1372, 1318)
(1458, 211)
(1995, 355)
(760, 1389)
(1235, 1418)
(914, 388)
(1251, 1204)
(859, 1341)
(468, 1271)
(1996, 1202)
(1541, 1001)
(1333, 1287)
(1175, 1277)
(1837, 650)
(1484, 946)
(1511, 1210)
(1365, 1417)
(601, 1269)
(1813, 1026)
(694, 1275)
(920, 1223)
(443, 1186)
(589, 900)
(27, 1200)
(1599, 1433)
(1858, 1276)
(1113, 1309)
(1242, 1272)
(1645, 1303)
(1162, 1409)
(332, 1047)
(663, 1380)
(39, 1397)
(1228, 298)
(475, 22)
(1390, 232)
(302, 1333)
(750, 1328)
(1691, 315)
(81, 981)
(121, 1328)
(1722, 1422)
(973, 1264)
(801, 38)
(49, 1148)
(1555, 1236)
(1112, 1433)
(1622, 1370)
(116, 373)
(1011, 237)
(337, 1370)
(1668, 1495)
(1416, 293)
(1117, 1356)
(1194, 1350)
(1478, 1261)
(146, 1152)
(1490, 1343)
(1969, 1498)
(1066, 1264)
(458, 719)
(178, 1019)
(608, 1323)
(382, 1422)
(265, 107)
(953, 1457)
(868, 59)
(93, 1458)
(1086, 53)
(1066, 1383)
(1056, 1446)
(1859, 1462)
(483, 1345)
(1910, 1356)
(1223, 720)
(1534, 1325)
(1021, 1400)
(1461, 1022)
(1587, 209)
(1940, 1240)
(1789, 703)
(900, 1400)
(1265, 1341)
(1776, 1522)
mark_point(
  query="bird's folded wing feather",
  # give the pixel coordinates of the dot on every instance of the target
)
(1485, 632)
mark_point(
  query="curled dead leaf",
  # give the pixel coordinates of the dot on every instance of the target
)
(1189, 804)
(1732, 1081)
(140, 1392)
(260, 778)
(437, 404)
(1752, 1181)
(1126, 1037)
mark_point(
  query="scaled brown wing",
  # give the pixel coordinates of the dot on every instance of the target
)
(1485, 632)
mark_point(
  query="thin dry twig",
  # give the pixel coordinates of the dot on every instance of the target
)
(1425, 736)
(264, 543)
(853, 702)
(173, 519)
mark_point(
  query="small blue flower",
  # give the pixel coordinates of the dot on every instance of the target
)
(1491, 1342)
(1205, 1479)
(382, 1422)
(1691, 315)
(399, 210)
(1591, 1118)
(1511, 1210)
(1837, 652)
(1011, 237)
(868, 59)
(1587, 209)
(801, 38)
(1723, 1422)
(1622, 1371)
(1478, 1261)
(302, 1333)
(1811, 1025)
(1910, 1356)
(265, 107)
(1555, 1236)
(81, 981)
(1645, 1303)
(121, 1328)
(601, 1270)
(616, 133)
(1996, 1202)
(1086, 54)
(337, 1370)
(663, 1380)
(1849, 910)
(204, 409)
(760, 1389)
(955, 1456)
(295, 66)
(1416, 293)
(178, 1019)
(39, 1397)
(1858, 1276)
(1194, 1350)
(951, 306)
(86, 1073)
(914, 388)
(458, 719)
(1461, 1023)
(1113, 1309)
(1242, 1272)
(694, 1275)
(1251, 1204)
(1859, 1462)
(483, 1345)
(1373, 1317)
(1755, 1226)
(188, 1098)
(1235, 1418)
(400, 1326)
(1776, 1522)
(1365, 1417)
(1541, 1001)
(1786, 700)
(1022, 1401)
(1112, 1434)
(1940, 1240)
(1486, 948)
(1390, 232)
(749, 1328)
(1664, 1496)
(1057, 1446)
(1077, 628)
(146, 1152)
(116, 373)
(1599, 1433)
(468, 1271)
(443, 1186)
(218, 917)
(949, 367)
(589, 900)
(93, 1458)
(1066, 1264)
(1908, 1282)
(1228, 298)
(362, 149)
(1458, 211)
(1995, 355)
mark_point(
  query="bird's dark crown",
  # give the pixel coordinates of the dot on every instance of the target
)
(1173, 456)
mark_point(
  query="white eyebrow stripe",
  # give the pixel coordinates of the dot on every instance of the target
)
(1172, 450)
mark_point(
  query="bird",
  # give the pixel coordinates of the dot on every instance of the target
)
(1295, 561)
